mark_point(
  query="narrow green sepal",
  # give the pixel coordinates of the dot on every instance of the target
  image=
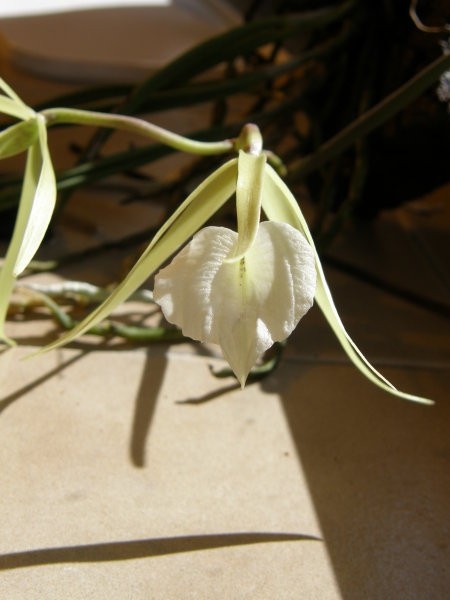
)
(18, 138)
(12, 104)
(198, 207)
(41, 205)
(279, 204)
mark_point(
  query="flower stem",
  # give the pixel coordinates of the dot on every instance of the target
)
(71, 116)
(133, 333)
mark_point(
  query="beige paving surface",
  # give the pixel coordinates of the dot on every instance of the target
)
(113, 489)
(135, 473)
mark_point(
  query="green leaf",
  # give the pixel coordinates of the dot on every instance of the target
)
(17, 138)
(280, 205)
(198, 207)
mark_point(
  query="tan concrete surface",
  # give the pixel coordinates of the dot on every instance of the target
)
(312, 485)
(135, 473)
(113, 489)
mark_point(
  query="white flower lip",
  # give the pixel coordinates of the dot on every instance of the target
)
(244, 306)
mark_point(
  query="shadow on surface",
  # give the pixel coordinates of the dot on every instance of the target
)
(214, 395)
(378, 473)
(114, 551)
(11, 398)
(149, 390)
(150, 385)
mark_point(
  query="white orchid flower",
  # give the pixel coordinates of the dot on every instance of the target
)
(242, 290)
(38, 195)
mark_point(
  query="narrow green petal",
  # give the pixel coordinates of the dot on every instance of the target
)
(14, 109)
(7, 277)
(13, 105)
(198, 207)
(17, 138)
(41, 207)
(248, 199)
(7, 89)
(35, 210)
(280, 205)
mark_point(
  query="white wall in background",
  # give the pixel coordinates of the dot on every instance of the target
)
(16, 8)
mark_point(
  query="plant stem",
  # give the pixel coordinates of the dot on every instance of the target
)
(57, 116)
(132, 333)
